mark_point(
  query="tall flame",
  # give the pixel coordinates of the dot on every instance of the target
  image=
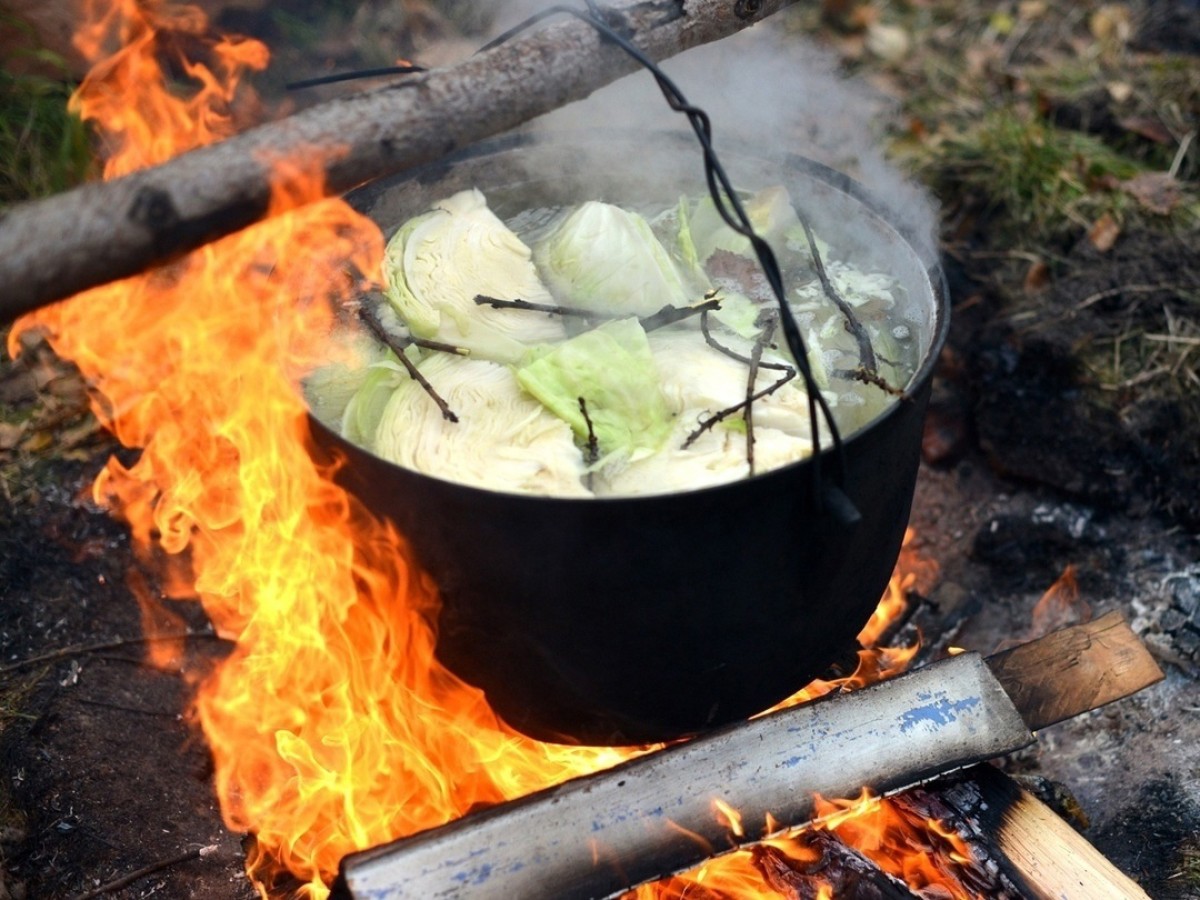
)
(332, 726)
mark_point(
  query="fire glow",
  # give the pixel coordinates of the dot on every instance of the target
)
(332, 726)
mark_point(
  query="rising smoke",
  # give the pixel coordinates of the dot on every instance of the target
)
(768, 88)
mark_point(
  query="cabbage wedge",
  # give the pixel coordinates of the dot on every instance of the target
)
(330, 388)
(699, 381)
(436, 265)
(607, 260)
(717, 457)
(770, 212)
(504, 439)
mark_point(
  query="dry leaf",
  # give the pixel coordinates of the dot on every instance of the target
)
(1002, 23)
(1112, 23)
(10, 435)
(1157, 192)
(78, 434)
(888, 42)
(1031, 9)
(1037, 277)
(1150, 129)
(851, 47)
(1120, 91)
(848, 15)
(17, 386)
(980, 57)
(1104, 233)
(38, 441)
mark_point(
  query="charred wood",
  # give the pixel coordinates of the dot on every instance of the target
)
(838, 869)
(599, 835)
(551, 838)
(1034, 849)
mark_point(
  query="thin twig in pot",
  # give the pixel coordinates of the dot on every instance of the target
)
(760, 342)
(548, 308)
(867, 376)
(726, 413)
(733, 354)
(866, 353)
(593, 445)
(398, 346)
(668, 315)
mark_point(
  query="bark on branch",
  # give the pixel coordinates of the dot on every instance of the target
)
(100, 232)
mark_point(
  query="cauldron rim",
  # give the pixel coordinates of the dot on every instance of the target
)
(801, 164)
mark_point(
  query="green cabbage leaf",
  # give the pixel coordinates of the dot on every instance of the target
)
(360, 419)
(613, 370)
(330, 388)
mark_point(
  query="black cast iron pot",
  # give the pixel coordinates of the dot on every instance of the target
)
(641, 619)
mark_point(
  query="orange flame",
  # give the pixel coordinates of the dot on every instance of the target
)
(922, 852)
(332, 726)
(1060, 606)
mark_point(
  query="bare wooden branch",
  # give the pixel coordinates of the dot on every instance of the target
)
(593, 446)
(866, 352)
(376, 327)
(723, 414)
(706, 330)
(126, 880)
(100, 232)
(668, 315)
(81, 649)
(764, 338)
(550, 309)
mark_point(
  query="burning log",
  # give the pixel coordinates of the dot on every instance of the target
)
(839, 870)
(595, 836)
(598, 835)
(100, 232)
(1034, 847)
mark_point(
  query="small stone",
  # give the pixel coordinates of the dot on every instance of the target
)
(945, 438)
(1186, 594)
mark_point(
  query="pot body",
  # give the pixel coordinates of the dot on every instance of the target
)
(630, 620)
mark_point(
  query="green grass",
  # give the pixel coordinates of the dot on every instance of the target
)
(43, 147)
(13, 700)
(1047, 182)
(1189, 864)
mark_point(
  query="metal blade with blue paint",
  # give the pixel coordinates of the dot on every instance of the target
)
(596, 836)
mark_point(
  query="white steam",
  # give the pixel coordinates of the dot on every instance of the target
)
(769, 89)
